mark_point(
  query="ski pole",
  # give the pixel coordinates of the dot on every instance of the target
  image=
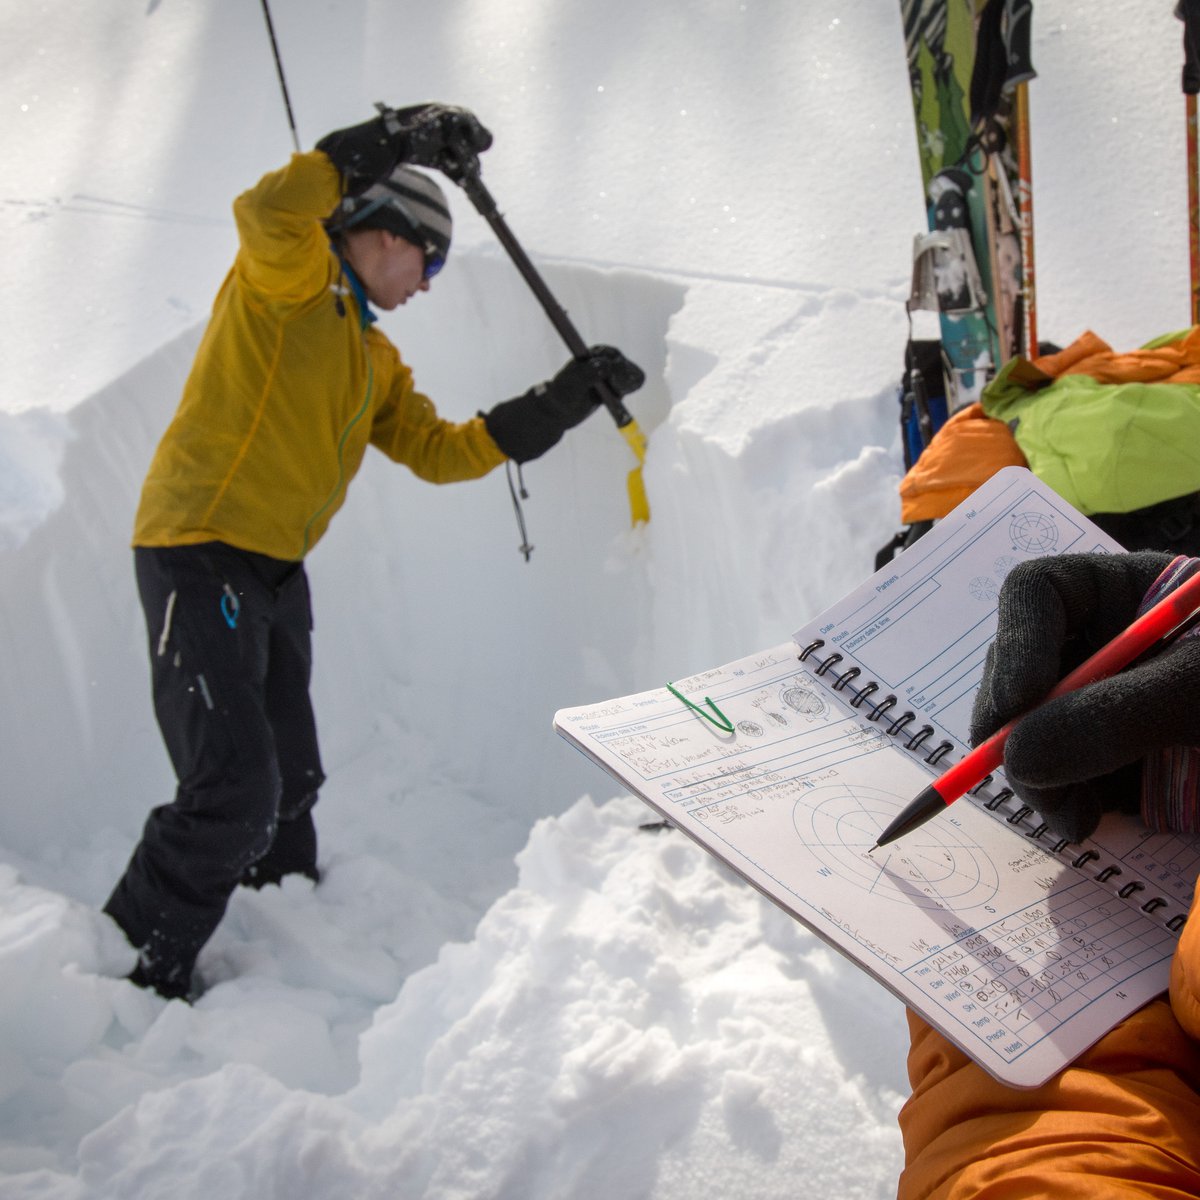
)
(283, 87)
(1193, 165)
(1189, 13)
(1025, 209)
(464, 170)
(920, 397)
(1018, 36)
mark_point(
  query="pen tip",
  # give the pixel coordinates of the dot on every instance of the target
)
(914, 815)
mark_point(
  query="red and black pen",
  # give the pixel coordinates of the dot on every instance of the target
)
(1168, 620)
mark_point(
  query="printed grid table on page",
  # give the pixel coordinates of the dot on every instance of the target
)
(1016, 981)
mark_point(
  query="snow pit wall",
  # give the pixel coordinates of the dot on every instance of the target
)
(428, 620)
(424, 609)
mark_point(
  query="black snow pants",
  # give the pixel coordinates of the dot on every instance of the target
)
(231, 659)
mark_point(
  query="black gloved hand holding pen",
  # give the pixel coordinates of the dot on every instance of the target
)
(1080, 755)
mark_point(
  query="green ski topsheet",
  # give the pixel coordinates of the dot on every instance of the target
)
(939, 38)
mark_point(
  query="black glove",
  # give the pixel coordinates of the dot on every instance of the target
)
(444, 136)
(423, 135)
(525, 428)
(1079, 756)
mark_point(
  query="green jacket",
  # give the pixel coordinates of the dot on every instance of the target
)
(286, 392)
(1106, 446)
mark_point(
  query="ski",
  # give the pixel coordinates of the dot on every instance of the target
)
(966, 60)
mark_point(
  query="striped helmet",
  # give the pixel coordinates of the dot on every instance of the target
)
(406, 203)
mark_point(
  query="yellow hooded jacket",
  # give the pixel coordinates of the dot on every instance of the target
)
(289, 385)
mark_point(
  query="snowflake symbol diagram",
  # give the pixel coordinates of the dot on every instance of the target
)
(983, 587)
(804, 700)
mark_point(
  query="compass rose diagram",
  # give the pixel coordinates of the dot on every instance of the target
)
(1033, 532)
(937, 866)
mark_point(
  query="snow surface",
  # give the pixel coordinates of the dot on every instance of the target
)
(502, 987)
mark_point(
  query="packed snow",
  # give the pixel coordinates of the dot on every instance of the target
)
(502, 987)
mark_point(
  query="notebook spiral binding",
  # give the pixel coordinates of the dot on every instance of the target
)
(996, 803)
(898, 724)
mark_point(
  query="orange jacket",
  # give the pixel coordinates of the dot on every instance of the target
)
(964, 454)
(1174, 358)
(1122, 1120)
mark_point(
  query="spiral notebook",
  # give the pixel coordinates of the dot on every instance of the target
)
(1021, 948)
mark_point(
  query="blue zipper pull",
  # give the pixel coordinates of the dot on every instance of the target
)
(231, 606)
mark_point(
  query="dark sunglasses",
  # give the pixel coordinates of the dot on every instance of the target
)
(434, 262)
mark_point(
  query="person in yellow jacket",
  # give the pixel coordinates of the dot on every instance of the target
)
(291, 383)
(1124, 1118)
